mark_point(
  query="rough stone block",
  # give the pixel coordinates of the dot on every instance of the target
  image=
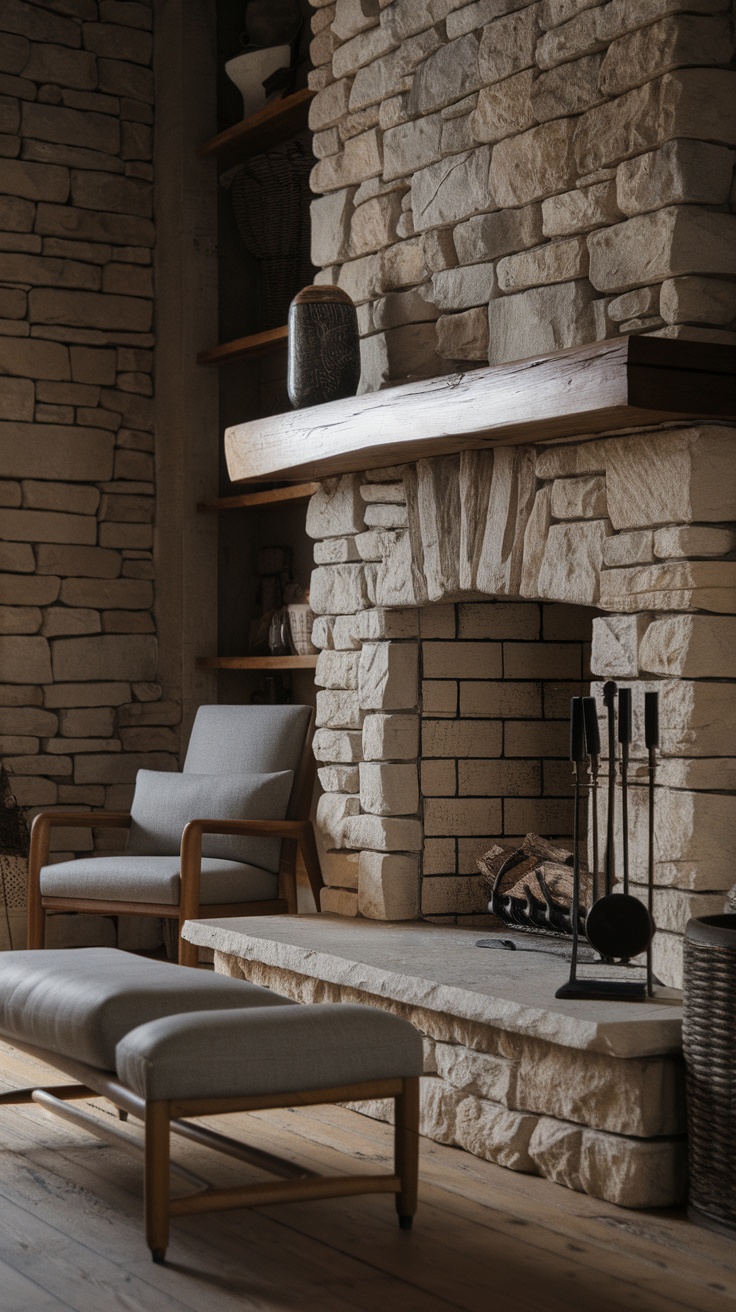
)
(360, 158)
(495, 1133)
(337, 669)
(339, 779)
(695, 300)
(390, 738)
(633, 1173)
(340, 869)
(690, 646)
(681, 171)
(383, 833)
(507, 45)
(540, 320)
(629, 548)
(650, 247)
(90, 310)
(676, 477)
(616, 640)
(489, 236)
(338, 589)
(505, 108)
(567, 89)
(68, 620)
(680, 585)
(573, 558)
(47, 526)
(533, 165)
(463, 288)
(388, 886)
(581, 210)
(448, 75)
(19, 177)
(330, 226)
(373, 224)
(463, 336)
(332, 811)
(336, 509)
(579, 498)
(339, 901)
(375, 625)
(387, 676)
(386, 516)
(338, 710)
(451, 190)
(560, 261)
(690, 540)
(388, 789)
(337, 746)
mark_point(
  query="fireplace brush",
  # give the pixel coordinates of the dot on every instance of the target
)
(651, 738)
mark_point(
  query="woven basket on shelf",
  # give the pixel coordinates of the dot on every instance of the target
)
(709, 1042)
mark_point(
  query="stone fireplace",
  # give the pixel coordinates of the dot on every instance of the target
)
(457, 598)
(497, 180)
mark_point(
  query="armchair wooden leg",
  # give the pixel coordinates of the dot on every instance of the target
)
(406, 1150)
(310, 857)
(188, 952)
(36, 914)
(156, 1186)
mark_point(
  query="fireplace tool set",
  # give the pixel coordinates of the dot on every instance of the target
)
(618, 926)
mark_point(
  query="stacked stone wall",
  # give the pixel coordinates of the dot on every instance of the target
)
(80, 706)
(500, 179)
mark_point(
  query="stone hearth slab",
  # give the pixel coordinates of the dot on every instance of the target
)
(439, 968)
(588, 1094)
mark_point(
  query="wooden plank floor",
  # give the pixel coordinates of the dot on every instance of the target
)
(484, 1238)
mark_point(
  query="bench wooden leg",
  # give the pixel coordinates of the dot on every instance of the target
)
(156, 1189)
(406, 1149)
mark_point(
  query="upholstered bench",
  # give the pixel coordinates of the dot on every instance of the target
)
(165, 1043)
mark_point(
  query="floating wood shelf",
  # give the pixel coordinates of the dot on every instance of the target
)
(257, 662)
(271, 126)
(294, 492)
(274, 339)
(623, 383)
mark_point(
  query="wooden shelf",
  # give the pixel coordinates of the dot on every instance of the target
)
(294, 492)
(257, 663)
(271, 126)
(274, 339)
(626, 382)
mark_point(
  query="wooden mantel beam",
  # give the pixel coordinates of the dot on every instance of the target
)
(623, 383)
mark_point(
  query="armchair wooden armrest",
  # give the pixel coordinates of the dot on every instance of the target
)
(299, 832)
(38, 852)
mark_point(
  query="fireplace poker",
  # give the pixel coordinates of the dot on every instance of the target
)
(624, 737)
(651, 738)
(609, 698)
(577, 756)
(593, 746)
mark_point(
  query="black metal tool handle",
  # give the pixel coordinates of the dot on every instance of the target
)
(624, 737)
(577, 755)
(651, 738)
(593, 745)
(610, 690)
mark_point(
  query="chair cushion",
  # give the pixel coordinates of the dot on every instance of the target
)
(155, 879)
(79, 1002)
(218, 1054)
(244, 739)
(164, 803)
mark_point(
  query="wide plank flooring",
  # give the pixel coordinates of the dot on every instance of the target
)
(484, 1239)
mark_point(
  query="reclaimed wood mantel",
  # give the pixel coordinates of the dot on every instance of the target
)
(627, 382)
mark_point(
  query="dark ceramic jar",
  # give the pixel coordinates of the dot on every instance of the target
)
(324, 347)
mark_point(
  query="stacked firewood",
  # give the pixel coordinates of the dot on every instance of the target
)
(531, 886)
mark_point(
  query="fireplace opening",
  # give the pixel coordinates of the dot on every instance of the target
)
(496, 678)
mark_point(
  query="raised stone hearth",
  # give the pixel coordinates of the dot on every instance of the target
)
(587, 1094)
(457, 597)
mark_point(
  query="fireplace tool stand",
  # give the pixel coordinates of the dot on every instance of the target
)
(618, 926)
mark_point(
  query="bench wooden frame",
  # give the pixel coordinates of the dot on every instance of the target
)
(296, 832)
(161, 1118)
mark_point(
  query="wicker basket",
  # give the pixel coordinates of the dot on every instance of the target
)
(709, 1041)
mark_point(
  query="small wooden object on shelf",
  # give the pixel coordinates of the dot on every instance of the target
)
(271, 126)
(273, 339)
(294, 492)
(257, 662)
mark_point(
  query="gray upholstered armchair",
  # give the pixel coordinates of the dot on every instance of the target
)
(220, 838)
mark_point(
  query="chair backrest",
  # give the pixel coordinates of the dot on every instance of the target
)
(252, 740)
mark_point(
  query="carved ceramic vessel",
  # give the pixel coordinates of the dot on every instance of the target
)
(324, 347)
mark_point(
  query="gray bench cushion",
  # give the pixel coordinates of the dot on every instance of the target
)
(79, 1002)
(280, 1050)
(155, 879)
